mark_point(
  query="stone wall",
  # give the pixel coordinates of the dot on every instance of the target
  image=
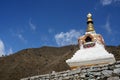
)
(100, 72)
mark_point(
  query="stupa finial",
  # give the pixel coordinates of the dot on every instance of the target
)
(90, 26)
(89, 15)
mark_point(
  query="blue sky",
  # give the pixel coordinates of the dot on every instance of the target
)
(35, 23)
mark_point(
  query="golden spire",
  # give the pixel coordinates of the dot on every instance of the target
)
(90, 26)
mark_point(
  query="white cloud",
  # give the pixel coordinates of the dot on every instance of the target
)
(107, 26)
(32, 26)
(10, 51)
(108, 2)
(2, 48)
(20, 36)
(68, 38)
(50, 30)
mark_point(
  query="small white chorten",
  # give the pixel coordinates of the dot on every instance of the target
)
(92, 50)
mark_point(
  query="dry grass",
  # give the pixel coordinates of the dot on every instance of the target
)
(42, 60)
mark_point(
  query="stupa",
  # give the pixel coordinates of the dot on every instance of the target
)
(92, 49)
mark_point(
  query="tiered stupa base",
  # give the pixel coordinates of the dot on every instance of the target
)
(96, 55)
(103, 61)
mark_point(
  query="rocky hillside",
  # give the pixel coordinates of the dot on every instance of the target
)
(35, 61)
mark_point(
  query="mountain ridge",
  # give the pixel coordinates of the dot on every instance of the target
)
(36, 61)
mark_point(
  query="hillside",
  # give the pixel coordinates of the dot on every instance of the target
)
(35, 61)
